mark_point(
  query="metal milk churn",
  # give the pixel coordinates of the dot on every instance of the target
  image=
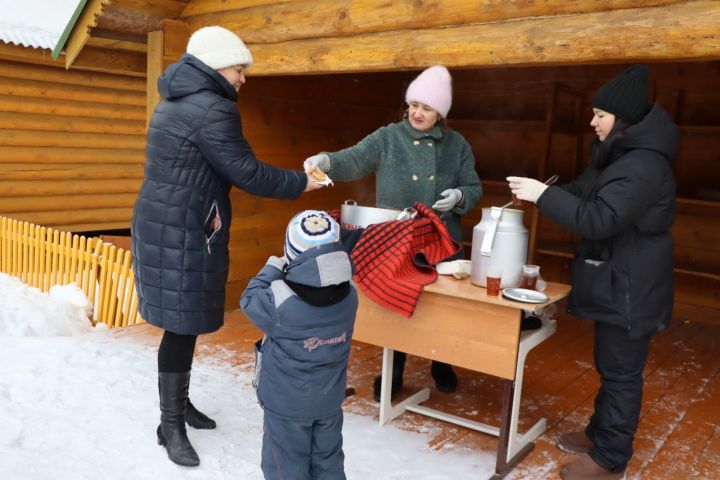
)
(499, 239)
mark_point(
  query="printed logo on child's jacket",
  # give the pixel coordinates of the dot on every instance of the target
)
(314, 342)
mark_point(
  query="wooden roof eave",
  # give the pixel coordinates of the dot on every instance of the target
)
(90, 59)
(81, 31)
(681, 31)
(68, 29)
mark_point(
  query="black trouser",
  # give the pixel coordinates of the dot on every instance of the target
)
(399, 363)
(620, 361)
(175, 353)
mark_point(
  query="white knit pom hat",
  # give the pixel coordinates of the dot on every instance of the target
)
(308, 229)
(218, 47)
(433, 87)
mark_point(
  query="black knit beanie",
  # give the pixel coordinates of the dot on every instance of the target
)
(625, 96)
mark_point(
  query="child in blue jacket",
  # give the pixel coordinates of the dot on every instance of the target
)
(305, 303)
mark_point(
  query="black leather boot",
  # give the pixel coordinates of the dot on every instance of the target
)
(196, 419)
(171, 432)
(445, 379)
(397, 379)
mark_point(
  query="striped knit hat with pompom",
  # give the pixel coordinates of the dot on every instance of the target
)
(308, 229)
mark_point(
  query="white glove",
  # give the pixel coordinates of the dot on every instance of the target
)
(320, 161)
(277, 262)
(451, 197)
(527, 189)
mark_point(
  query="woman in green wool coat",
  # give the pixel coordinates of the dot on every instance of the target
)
(418, 159)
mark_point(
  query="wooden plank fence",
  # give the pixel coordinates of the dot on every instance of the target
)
(42, 257)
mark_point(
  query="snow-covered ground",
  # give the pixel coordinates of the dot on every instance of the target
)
(80, 402)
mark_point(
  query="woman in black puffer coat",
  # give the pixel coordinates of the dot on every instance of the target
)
(195, 153)
(622, 207)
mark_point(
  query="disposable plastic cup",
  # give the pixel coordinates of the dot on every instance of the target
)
(494, 275)
(530, 275)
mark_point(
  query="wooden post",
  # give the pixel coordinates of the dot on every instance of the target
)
(175, 41)
(154, 70)
(543, 167)
(164, 47)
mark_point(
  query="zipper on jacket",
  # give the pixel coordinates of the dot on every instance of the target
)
(628, 315)
(211, 226)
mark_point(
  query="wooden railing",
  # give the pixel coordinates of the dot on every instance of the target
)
(42, 257)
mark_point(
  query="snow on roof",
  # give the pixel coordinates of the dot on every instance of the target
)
(35, 23)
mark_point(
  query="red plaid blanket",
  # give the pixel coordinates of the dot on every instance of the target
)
(386, 267)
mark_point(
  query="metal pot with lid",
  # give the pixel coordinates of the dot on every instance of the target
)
(353, 215)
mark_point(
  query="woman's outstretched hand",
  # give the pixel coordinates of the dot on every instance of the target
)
(320, 161)
(312, 184)
(527, 189)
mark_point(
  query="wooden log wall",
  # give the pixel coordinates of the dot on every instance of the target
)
(504, 115)
(287, 119)
(71, 146)
(326, 36)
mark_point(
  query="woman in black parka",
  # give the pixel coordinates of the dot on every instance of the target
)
(622, 207)
(195, 153)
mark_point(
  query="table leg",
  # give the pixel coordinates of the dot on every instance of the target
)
(513, 447)
(503, 464)
(388, 411)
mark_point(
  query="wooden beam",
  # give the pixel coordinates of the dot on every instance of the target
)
(65, 155)
(177, 34)
(80, 219)
(199, 7)
(44, 106)
(154, 70)
(35, 188)
(62, 123)
(62, 140)
(111, 44)
(37, 56)
(76, 78)
(118, 35)
(111, 61)
(81, 31)
(8, 205)
(50, 91)
(164, 47)
(77, 172)
(156, 8)
(648, 34)
(307, 19)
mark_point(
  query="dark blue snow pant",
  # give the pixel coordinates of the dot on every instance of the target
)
(620, 361)
(302, 449)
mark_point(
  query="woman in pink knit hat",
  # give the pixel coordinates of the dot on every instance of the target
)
(418, 159)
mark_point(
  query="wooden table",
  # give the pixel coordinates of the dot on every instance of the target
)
(457, 323)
